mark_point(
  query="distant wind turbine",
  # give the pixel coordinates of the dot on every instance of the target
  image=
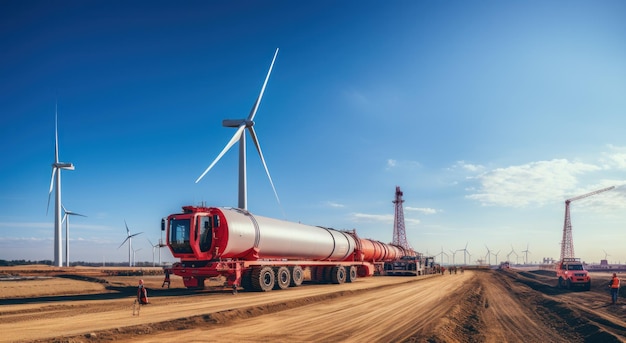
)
(242, 125)
(66, 219)
(134, 253)
(465, 253)
(55, 183)
(129, 238)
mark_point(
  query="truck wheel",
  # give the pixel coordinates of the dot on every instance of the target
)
(297, 276)
(262, 279)
(246, 280)
(338, 274)
(283, 278)
(351, 276)
(568, 284)
(320, 274)
(588, 286)
(561, 283)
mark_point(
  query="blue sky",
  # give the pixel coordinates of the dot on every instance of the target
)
(488, 115)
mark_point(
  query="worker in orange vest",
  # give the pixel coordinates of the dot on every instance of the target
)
(142, 293)
(614, 285)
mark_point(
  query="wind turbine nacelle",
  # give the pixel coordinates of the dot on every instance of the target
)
(66, 166)
(237, 122)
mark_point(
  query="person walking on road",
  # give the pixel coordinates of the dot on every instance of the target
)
(614, 285)
(142, 293)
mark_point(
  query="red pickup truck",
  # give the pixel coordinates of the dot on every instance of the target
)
(571, 272)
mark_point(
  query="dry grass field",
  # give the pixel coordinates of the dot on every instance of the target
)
(91, 305)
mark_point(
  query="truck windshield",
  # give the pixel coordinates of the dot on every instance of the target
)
(179, 236)
(575, 267)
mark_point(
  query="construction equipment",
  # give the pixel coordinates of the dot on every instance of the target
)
(567, 244)
(411, 263)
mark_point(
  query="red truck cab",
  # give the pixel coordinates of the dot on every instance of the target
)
(571, 272)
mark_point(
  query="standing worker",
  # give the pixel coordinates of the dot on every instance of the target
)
(142, 293)
(166, 281)
(614, 285)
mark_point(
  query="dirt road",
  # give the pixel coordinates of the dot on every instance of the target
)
(476, 306)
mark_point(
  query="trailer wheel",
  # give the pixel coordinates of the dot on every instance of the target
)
(320, 274)
(283, 278)
(246, 280)
(262, 279)
(338, 274)
(351, 276)
(297, 276)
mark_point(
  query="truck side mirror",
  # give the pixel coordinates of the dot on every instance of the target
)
(162, 224)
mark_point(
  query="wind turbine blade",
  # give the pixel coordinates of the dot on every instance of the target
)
(133, 235)
(127, 230)
(54, 169)
(258, 148)
(123, 242)
(232, 141)
(258, 100)
(64, 217)
(56, 133)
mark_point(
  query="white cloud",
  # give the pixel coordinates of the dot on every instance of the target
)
(372, 217)
(334, 204)
(615, 158)
(473, 168)
(534, 183)
(424, 210)
(395, 164)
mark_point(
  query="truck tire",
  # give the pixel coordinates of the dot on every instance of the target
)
(568, 284)
(246, 280)
(338, 275)
(283, 278)
(351, 276)
(560, 283)
(262, 279)
(320, 274)
(297, 276)
(588, 286)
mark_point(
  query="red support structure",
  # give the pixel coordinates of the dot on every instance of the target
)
(399, 231)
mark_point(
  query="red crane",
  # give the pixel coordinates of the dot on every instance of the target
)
(567, 244)
(399, 231)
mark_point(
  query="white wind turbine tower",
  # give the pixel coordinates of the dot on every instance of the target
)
(55, 182)
(129, 238)
(134, 253)
(156, 246)
(66, 219)
(242, 125)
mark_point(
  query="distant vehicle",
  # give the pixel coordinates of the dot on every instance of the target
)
(571, 272)
(504, 265)
(406, 265)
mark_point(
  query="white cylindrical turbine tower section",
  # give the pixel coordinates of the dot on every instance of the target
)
(281, 239)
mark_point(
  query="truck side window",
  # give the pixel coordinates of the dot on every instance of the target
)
(205, 233)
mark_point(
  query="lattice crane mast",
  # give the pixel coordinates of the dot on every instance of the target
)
(567, 244)
(399, 231)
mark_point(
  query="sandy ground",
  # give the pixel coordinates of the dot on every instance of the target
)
(476, 306)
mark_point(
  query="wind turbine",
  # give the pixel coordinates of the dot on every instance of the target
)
(242, 125)
(55, 182)
(488, 255)
(464, 250)
(496, 255)
(526, 254)
(134, 252)
(155, 246)
(443, 253)
(512, 252)
(453, 256)
(66, 219)
(129, 238)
